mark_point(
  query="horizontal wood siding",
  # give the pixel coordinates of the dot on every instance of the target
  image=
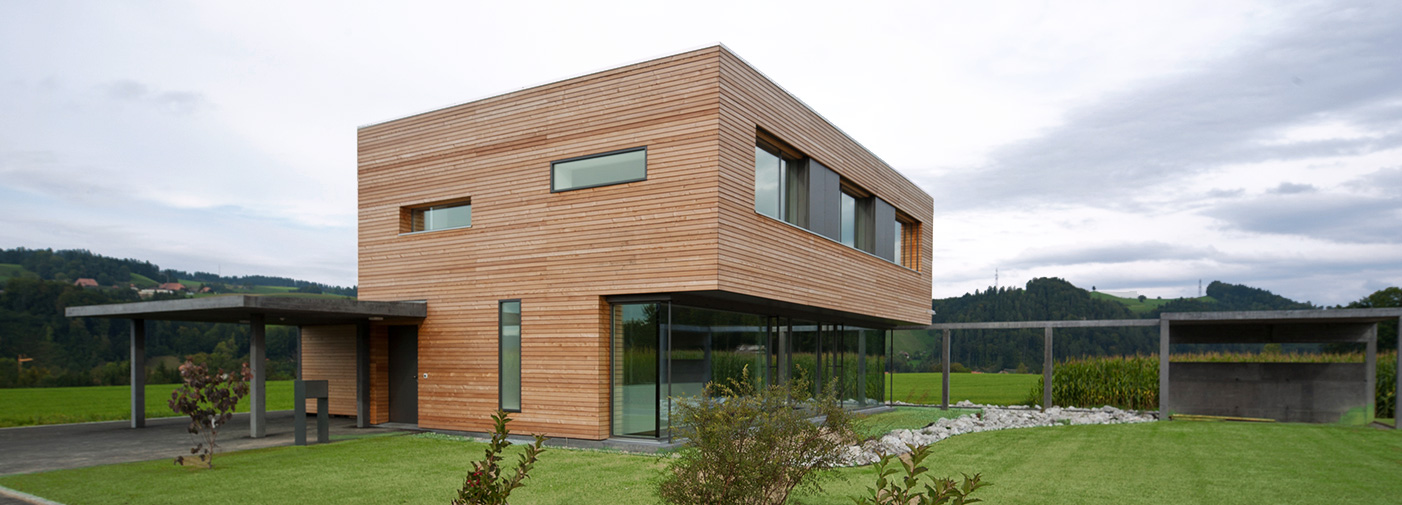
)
(328, 353)
(765, 257)
(559, 253)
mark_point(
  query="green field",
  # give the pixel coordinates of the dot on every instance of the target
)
(30, 406)
(988, 388)
(8, 270)
(1144, 307)
(1153, 463)
(143, 282)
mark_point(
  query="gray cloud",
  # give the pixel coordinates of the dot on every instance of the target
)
(1225, 193)
(1290, 188)
(1334, 62)
(1110, 253)
(1339, 217)
(175, 102)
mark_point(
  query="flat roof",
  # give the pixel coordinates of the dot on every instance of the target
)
(283, 310)
(1283, 316)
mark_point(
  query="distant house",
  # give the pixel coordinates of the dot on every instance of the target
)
(206, 289)
(172, 286)
(86, 283)
(147, 293)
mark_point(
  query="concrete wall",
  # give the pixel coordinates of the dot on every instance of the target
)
(1290, 392)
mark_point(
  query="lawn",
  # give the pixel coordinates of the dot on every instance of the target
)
(1144, 307)
(991, 388)
(30, 406)
(1153, 463)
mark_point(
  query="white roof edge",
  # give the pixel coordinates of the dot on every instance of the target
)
(658, 57)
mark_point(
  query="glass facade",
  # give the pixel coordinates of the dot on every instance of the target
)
(664, 353)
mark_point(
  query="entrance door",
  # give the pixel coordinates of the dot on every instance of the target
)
(404, 374)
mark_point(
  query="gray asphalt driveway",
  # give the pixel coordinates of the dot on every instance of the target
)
(41, 448)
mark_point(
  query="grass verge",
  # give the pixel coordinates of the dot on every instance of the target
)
(1151, 463)
(33, 406)
(905, 418)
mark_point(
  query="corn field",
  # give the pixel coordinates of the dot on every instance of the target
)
(1133, 382)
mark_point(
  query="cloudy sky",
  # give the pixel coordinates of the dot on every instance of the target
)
(1122, 145)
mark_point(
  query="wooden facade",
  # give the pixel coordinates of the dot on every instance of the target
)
(691, 226)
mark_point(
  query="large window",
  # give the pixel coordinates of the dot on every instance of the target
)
(781, 185)
(856, 215)
(439, 217)
(595, 170)
(509, 332)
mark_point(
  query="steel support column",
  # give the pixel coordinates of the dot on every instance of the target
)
(1370, 360)
(944, 379)
(1163, 369)
(138, 373)
(257, 391)
(362, 374)
(1046, 368)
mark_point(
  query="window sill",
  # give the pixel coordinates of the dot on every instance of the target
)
(405, 234)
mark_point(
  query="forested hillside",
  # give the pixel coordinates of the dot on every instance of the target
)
(58, 351)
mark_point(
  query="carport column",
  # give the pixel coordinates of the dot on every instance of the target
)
(944, 388)
(257, 393)
(138, 373)
(1370, 360)
(1163, 369)
(1046, 368)
(362, 374)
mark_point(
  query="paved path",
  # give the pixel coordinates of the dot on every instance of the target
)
(41, 448)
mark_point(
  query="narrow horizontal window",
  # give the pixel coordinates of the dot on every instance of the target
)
(596, 170)
(438, 217)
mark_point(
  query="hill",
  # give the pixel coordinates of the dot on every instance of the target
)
(38, 284)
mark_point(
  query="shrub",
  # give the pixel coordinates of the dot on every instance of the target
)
(903, 491)
(209, 400)
(485, 484)
(748, 444)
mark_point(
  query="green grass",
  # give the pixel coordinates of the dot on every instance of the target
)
(1144, 307)
(904, 418)
(1153, 463)
(8, 270)
(989, 388)
(191, 285)
(31, 406)
(143, 282)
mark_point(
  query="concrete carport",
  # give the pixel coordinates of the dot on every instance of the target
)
(1298, 392)
(256, 312)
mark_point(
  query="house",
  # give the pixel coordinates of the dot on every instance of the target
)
(586, 253)
(174, 287)
(590, 249)
(86, 282)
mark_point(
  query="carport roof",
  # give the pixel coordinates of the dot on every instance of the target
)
(283, 310)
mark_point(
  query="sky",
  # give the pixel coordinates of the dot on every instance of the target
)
(1127, 146)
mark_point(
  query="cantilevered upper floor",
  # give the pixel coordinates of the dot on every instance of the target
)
(691, 173)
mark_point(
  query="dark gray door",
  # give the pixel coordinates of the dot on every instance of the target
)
(404, 374)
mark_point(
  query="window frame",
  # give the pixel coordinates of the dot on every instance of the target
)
(407, 213)
(501, 356)
(598, 155)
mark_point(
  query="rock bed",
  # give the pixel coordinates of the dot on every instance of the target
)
(993, 418)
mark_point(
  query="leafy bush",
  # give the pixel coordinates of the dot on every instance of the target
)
(486, 485)
(903, 491)
(209, 400)
(748, 444)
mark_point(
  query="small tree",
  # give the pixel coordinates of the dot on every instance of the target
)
(748, 444)
(485, 485)
(907, 490)
(209, 400)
